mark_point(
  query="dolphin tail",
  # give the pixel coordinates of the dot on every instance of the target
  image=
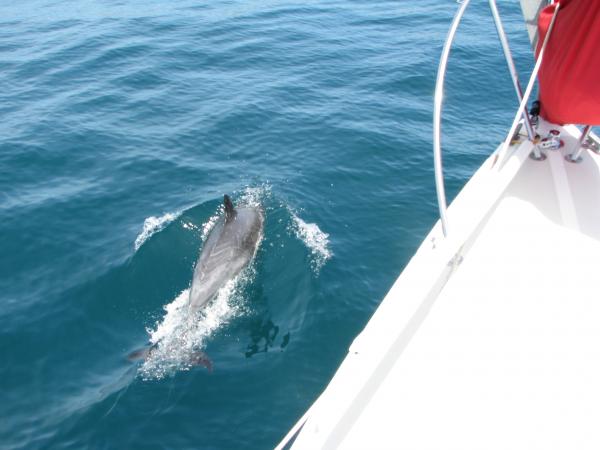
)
(201, 359)
(229, 209)
(197, 359)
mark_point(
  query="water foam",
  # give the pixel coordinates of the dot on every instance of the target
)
(253, 196)
(152, 225)
(210, 223)
(179, 335)
(315, 240)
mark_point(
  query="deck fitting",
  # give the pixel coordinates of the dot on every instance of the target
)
(533, 156)
(572, 159)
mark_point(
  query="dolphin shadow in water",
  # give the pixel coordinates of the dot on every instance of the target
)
(229, 248)
(262, 337)
(264, 333)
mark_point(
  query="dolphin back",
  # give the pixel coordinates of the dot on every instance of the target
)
(229, 248)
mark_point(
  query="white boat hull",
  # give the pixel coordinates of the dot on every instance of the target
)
(490, 338)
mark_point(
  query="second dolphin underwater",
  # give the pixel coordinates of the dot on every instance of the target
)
(230, 247)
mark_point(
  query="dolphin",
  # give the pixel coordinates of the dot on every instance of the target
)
(230, 246)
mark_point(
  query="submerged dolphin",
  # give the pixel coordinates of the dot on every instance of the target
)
(231, 245)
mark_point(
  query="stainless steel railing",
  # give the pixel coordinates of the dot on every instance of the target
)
(437, 116)
(439, 96)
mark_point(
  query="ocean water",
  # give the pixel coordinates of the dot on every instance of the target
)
(123, 123)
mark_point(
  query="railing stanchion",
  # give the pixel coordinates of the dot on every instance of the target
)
(537, 155)
(511, 67)
(575, 156)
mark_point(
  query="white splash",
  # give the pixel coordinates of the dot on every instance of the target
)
(189, 226)
(315, 240)
(180, 335)
(152, 225)
(254, 196)
(210, 223)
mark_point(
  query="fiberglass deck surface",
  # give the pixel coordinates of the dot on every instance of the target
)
(509, 354)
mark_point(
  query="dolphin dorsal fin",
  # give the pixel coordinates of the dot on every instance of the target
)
(229, 210)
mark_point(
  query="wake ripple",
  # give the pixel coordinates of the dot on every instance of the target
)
(315, 240)
(153, 225)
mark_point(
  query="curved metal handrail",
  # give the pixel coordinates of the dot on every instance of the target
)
(437, 117)
(439, 97)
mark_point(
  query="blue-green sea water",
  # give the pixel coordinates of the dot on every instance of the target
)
(123, 123)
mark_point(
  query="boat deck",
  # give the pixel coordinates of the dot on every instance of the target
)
(510, 349)
(507, 355)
